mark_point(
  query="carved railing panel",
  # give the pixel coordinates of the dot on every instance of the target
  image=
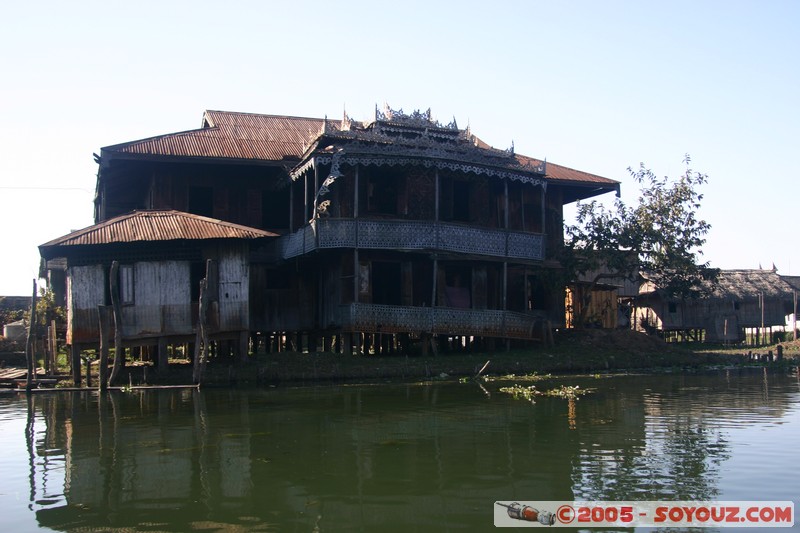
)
(525, 245)
(395, 234)
(374, 318)
(471, 240)
(410, 235)
(336, 233)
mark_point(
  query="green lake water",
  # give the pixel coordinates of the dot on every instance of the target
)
(389, 457)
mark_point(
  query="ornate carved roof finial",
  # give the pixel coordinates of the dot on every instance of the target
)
(346, 121)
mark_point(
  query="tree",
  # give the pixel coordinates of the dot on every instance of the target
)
(661, 238)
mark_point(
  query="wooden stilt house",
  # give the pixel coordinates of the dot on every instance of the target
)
(391, 230)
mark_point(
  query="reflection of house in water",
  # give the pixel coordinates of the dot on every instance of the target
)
(181, 457)
(370, 456)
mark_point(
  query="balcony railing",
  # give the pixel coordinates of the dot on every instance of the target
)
(410, 235)
(373, 318)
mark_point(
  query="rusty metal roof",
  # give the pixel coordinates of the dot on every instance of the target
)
(276, 138)
(566, 174)
(149, 226)
(228, 135)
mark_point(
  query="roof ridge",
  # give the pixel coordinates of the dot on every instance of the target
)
(262, 114)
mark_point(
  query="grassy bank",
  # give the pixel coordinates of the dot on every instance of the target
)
(592, 351)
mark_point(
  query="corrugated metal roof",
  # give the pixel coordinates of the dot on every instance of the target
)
(229, 135)
(252, 136)
(149, 226)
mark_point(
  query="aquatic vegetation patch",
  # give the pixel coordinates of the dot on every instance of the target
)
(521, 392)
(525, 377)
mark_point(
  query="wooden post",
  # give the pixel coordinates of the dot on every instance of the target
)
(75, 364)
(794, 316)
(544, 207)
(29, 349)
(244, 344)
(201, 341)
(53, 342)
(316, 192)
(105, 313)
(88, 361)
(119, 351)
(291, 206)
(305, 197)
(761, 302)
(163, 355)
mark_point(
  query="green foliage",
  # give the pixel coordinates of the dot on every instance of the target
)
(46, 308)
(9, 316)
(661, 237)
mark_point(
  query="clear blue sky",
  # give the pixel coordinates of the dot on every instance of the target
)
(598, 86)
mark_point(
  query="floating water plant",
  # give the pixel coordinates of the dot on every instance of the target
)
(530, 392)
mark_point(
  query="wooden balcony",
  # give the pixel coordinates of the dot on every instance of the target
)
(410, 235)
(373, 318)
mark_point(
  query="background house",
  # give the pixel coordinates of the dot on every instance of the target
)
(740, 302)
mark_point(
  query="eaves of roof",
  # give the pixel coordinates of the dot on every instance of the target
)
(152, 226)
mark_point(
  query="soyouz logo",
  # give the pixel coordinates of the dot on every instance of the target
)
(644, 514)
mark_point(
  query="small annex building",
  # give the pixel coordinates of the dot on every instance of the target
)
(740, 300)
(354, 235)
(161, 257)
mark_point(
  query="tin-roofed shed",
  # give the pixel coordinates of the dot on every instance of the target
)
(162, 256)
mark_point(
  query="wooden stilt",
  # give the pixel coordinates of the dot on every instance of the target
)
(30, 354)
(163, 355)
(119, 353)
(105, 313)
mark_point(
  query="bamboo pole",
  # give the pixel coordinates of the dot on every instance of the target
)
(29, 349)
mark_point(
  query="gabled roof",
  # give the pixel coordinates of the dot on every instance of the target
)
(744, 284)
(150, 226)
(280, 139)
(749, 284)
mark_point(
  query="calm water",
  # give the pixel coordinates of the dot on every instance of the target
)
(432, 457)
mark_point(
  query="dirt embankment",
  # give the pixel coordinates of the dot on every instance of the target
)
(588, 351)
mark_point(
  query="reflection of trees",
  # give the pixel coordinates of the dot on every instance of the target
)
(684, 440)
